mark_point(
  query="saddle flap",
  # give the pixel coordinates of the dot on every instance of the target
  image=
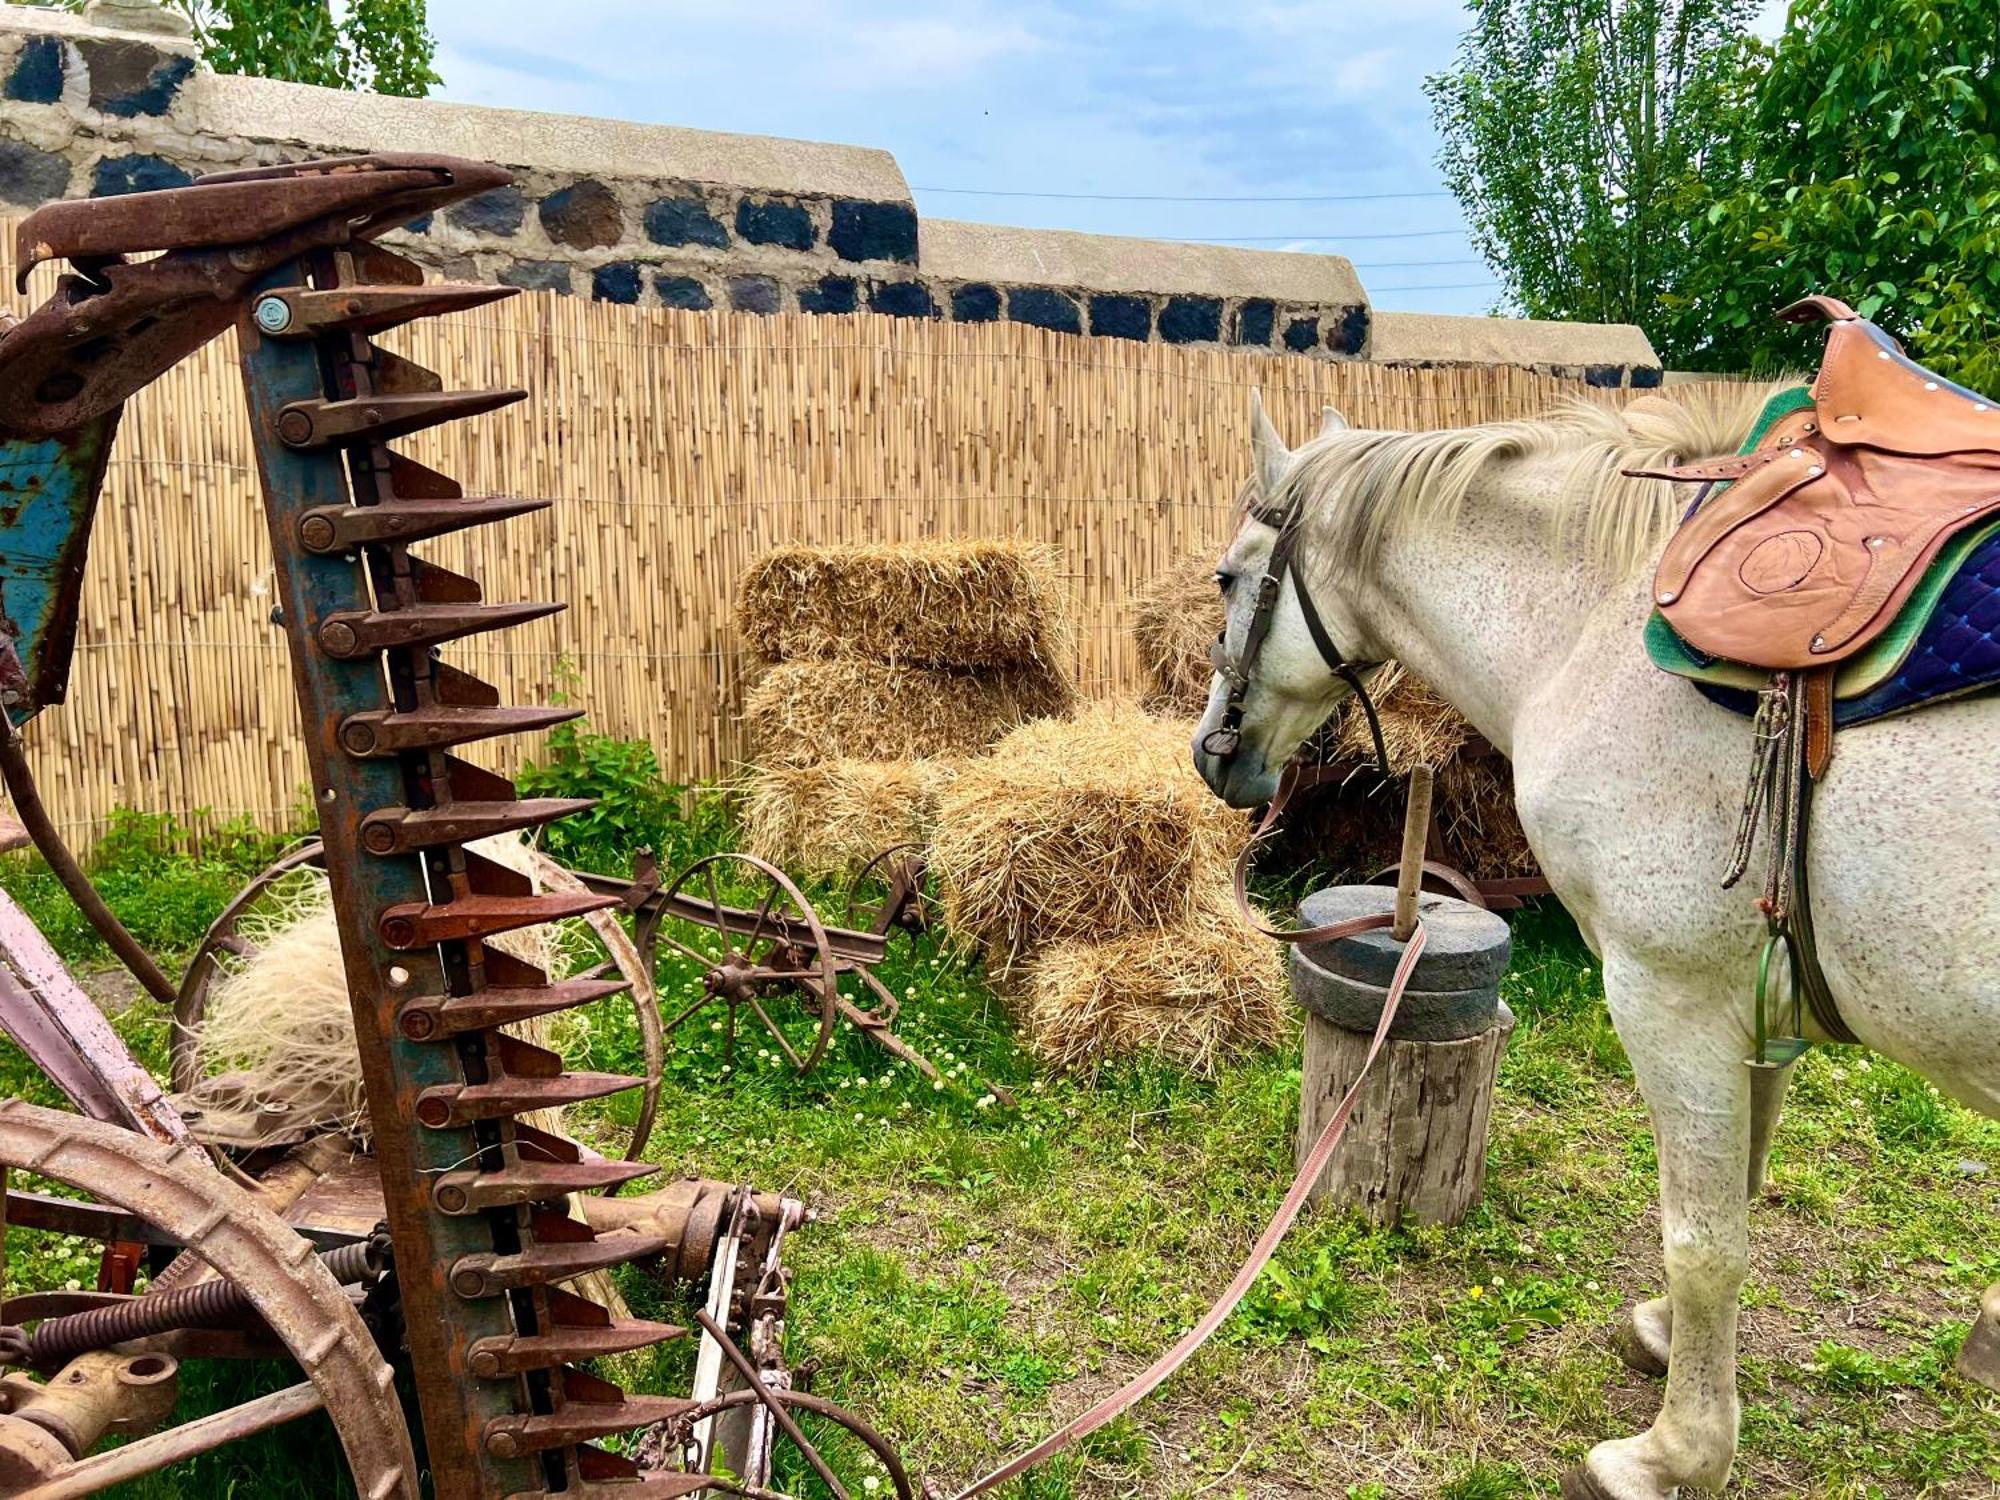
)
(1870, 394)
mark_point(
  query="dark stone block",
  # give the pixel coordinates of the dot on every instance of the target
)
(132, 78)
(873, 231)
(584, 216)
(38, 71)
(495, 211)
(1302, 334)
(539, 276)
(681, 291)
(975, 303)
(617, 282)
(1044, 307)
(1604, 377)
(30, 177)
(902, 299)
(117, 175)
(684, 221)
(1118, 317)
(1254, 322)
(773, 221)
(1191, 320)
(1350, 334)
(1646, 377)
(753, 294)
(832, 294)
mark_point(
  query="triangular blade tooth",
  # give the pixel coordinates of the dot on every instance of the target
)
(353, 633)
(393, 375)
(458, 688)
(472, 782)
(433, 1018)
(489, 1274)
(488, 877)
(505, 971)
(397, 830)
(515, 1354)
(410, 480)
(449, 1105)
(520, 1058)
(416, 924)
(437, 584)
(469, 1191)
(372, 309)
(341, 528)
(386, 732)
(531, 1144)
(373, 263)
(318, 423)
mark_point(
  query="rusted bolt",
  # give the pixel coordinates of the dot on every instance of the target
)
(451, 1200)
(337, 638)
(419, 1025)
(434, 1112)
(502, 1444)
(371, 414)
(468, 1281)
(357, 737)
(316, 532)
(295, 426)
(398, 932)
(485, 1364)
(379, 838)
(273, 314)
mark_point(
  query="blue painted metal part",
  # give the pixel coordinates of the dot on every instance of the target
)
(48, 499)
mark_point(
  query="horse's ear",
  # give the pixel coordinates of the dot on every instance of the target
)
(1267, 450)
(1330, 420)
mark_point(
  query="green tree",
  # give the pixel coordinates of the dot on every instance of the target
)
(1576, 133)
(1876, 177)
(377, 46)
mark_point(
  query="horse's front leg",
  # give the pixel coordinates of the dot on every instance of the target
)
(1687, 1053)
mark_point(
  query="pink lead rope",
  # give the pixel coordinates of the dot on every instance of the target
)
(1137, 1390)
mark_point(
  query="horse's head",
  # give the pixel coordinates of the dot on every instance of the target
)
(1281, 669)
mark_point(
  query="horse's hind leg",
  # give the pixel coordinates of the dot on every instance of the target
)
(1979, 1360)
(1645, 1337)
(1688, 1057)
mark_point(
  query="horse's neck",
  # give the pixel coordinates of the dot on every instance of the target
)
(1484, 610)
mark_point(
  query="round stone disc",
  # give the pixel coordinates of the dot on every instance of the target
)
(1465, 947)
(1424, 1015)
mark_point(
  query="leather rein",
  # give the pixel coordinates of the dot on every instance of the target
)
(1223, 742)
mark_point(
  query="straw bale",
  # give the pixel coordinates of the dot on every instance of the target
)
(1175, 619)
(833, 816)
(803, 711)
(1080, 829)
(1418, 727)
(937, 603)
(1194, 993)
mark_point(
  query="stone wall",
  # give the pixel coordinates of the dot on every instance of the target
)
(660, 215)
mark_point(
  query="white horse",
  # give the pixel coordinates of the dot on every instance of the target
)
(1507, 566)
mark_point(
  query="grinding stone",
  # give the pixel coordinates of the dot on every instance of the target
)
(1465, 948)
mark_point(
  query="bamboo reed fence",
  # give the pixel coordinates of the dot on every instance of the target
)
(677, 445)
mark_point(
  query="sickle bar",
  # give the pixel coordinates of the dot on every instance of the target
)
(473, 1198)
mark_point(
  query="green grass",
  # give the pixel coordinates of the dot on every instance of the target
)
(976, 1273)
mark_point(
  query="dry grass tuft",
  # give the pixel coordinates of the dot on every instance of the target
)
(1080, 829)
(1418, 727)
(804, 711)
(1175, 619)
(1195, 993)
(961, 604)
(834, 816)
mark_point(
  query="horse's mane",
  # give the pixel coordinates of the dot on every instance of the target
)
(1360, 488)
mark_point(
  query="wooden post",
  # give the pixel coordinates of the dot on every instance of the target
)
(1415, 1149)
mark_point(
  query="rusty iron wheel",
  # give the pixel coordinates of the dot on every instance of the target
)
(764, 949)
(903, 904)
(176, 1191)
(224, 941)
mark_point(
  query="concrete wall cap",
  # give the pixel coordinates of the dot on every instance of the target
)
(1447, 338)
(330, 120)
(951, 250)
(39, 20)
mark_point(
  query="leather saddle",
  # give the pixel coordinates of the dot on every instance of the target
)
(1827, 528)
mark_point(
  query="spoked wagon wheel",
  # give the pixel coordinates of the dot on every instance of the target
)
(759, 946)
(818, 1450)
(899, 870)
(258, 1258)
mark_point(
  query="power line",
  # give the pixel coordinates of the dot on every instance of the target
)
(1309, 239)
(1436, 286)
(1412, 265)
(1178, 197)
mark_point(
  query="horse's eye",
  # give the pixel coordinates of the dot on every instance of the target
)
(1222, 581)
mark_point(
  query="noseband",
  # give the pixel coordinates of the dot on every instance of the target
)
(1226, 739)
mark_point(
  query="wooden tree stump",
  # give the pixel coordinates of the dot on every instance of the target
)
(1415, 1149)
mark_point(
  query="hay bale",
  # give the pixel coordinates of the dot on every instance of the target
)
(1195, 994)
(1080, 829)
(1175, 619)
(934, 603)
(1418, 727)
(846, 708)
(833, 816)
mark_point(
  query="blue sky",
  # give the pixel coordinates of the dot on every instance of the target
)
(1259, 100)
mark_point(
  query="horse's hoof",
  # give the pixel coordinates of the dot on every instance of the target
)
(1979, 1359)
(1578, 1485)
(1633, 1349)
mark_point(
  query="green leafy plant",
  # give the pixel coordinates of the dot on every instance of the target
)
(1312, 1302)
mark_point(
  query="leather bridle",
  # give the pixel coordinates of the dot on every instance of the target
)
(1226, 738)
